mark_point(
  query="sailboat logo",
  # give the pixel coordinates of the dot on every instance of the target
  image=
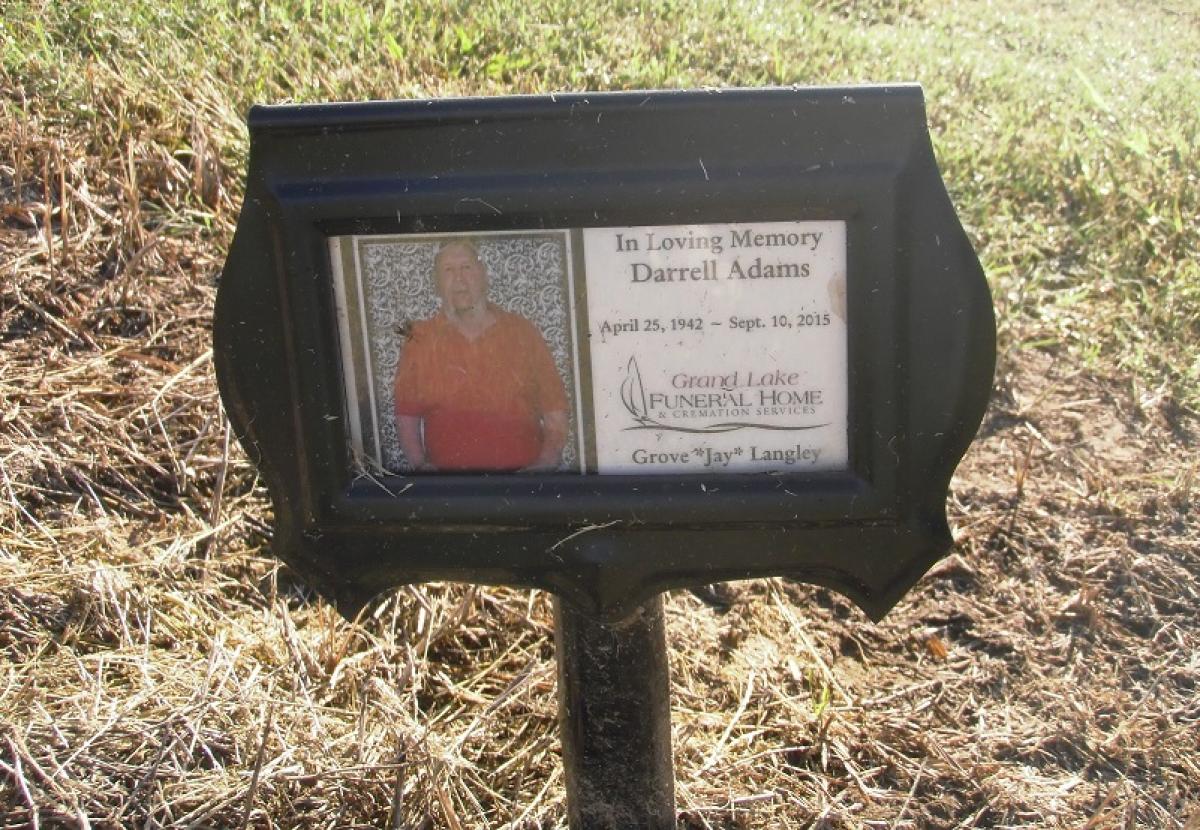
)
(636, 401)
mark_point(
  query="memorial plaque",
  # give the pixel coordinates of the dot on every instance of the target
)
(718, 348)
(604, 344)
(703, 348)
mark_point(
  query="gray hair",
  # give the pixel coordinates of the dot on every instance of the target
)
(462, 242)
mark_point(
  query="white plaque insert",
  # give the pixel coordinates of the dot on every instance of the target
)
(718, 348)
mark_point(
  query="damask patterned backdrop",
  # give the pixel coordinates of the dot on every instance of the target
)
(528, 276)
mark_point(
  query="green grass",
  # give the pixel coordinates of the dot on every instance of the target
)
(1067, 133)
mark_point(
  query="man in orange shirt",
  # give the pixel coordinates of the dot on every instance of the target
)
(476, 388)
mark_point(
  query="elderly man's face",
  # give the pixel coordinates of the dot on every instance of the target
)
(461, 279)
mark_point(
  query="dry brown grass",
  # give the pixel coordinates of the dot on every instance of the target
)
(159, 669)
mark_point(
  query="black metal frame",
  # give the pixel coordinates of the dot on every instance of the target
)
(921, 336)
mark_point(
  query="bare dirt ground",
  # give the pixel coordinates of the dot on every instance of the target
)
(157, 668)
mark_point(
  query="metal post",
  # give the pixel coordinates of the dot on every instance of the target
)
(614, 713)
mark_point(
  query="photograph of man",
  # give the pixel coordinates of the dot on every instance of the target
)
(476, 388)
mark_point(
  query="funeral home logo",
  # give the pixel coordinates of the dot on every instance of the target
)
(719, 403)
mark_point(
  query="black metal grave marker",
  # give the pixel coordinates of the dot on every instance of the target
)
(605, 345)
